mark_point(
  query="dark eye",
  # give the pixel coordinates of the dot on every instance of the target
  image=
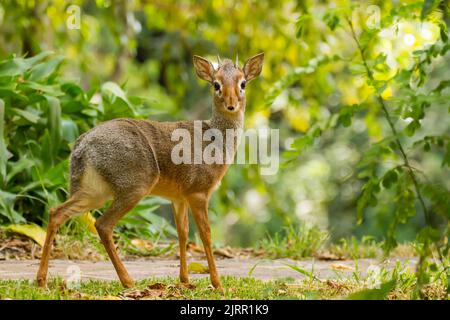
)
(243, 85)
(216, 86)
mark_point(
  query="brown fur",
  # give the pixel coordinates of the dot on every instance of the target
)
(124, 160)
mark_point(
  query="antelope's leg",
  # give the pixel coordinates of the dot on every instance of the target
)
(105, 225)
(58, 215)
(182, 222)
(199, 207)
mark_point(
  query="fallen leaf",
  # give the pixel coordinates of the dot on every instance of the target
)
(258, 253)
(224, 253)
(89, 221)
(195, 248)
(197, 267)
(157, 286)
(327, 256)
(182, 285)
(31, 231)
(137, 294)
(337, 266)
(173, 291)
(142, 244)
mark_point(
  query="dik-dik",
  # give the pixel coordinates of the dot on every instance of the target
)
(124, 160)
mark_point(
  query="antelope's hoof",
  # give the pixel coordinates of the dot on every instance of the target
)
(218, 286)
(41, 282)
(128, 284)
(219, 289)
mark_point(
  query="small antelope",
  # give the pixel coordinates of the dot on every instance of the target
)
(124, 160)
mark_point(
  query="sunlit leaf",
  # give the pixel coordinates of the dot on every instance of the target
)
(197, 267)
(31, 231)
(89, 221)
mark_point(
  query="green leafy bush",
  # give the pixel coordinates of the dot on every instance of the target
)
(41, 116)
(389, 169)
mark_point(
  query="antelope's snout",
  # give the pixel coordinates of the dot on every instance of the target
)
(231, 100)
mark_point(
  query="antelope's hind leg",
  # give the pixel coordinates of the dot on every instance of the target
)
(121, 204)
(76, 204)
(182, 222)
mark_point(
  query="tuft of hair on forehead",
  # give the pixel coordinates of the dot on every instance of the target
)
(228, 68)
(227, 64)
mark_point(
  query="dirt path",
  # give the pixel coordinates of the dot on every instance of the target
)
(140, 269)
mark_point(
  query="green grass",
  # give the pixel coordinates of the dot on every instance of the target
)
(305, 242)
(352, 248)
(235, 288)
(295, 242)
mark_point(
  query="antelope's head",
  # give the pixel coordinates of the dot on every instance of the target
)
(229, 81)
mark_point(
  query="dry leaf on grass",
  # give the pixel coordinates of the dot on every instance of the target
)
(337, 266)
(194, 248)
(142, 244)
(17, 247)
(328, 256)
(156, 291)
(189, 286)
(197, 267)
(224, 252)
(157, 286)
(147, 293)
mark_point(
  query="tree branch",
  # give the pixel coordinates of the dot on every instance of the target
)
(391, 125)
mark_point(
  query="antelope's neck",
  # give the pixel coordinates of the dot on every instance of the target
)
(235, 123)
(222, 122)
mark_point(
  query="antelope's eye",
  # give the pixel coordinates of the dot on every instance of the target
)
(216, 86)
(243, 85)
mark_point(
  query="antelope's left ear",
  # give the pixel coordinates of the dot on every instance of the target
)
(204, 68)
(253, 66)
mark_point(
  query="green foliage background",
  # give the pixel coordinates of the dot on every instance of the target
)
(336, 82)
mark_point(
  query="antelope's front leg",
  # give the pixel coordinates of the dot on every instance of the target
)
(199, 207)
(182, 222)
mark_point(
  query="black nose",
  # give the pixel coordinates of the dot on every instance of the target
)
(231, 108)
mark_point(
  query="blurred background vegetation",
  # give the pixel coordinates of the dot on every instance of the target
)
(134, 58)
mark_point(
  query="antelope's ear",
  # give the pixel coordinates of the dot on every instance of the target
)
(204, 69)
(253, 66)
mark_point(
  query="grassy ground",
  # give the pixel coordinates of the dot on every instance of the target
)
(292, 243)
(234, 288)
(304, 242)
